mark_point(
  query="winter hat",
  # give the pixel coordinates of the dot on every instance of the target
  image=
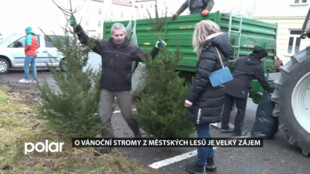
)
(259, 52)
(29, 30)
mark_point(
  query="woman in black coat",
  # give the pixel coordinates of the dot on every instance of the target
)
(205, 102)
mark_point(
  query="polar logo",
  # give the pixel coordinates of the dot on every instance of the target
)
(41, 147)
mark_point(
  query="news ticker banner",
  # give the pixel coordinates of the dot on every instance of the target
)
(167, 142)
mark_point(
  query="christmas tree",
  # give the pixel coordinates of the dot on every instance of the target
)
(160, 107)
(72, 109)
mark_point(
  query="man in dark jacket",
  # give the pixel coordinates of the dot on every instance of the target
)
(245, 70)
(195, 7)
(117, 55)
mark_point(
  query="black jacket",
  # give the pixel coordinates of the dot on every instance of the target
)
(116, 60)
(203, 96)
(244, 71)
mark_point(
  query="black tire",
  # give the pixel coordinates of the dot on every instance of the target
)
(292, 100)
(4, 66)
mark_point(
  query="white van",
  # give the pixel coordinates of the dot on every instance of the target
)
(12, 53)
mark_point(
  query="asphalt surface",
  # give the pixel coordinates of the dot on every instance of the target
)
(275, 157)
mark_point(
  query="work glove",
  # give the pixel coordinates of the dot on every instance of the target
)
(204, 12)
(72, 21)
(174, 16)
(160, 44)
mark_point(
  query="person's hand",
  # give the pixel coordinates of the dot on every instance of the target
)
(204, 12)
(174, 16)
(160, 44)
(188, 103)
(72, 21)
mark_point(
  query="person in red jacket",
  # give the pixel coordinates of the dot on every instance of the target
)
(31, 54)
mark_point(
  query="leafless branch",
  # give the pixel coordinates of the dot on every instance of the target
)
(157, 23)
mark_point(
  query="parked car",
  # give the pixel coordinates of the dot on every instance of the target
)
(12, 53)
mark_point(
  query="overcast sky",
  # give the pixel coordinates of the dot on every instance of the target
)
(16, 15)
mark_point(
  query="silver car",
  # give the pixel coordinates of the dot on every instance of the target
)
(12, 53)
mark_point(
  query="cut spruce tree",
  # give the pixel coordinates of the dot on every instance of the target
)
(73, 108)
(160, 107)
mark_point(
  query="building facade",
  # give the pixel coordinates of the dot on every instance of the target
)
(289, 15)
(93, 13)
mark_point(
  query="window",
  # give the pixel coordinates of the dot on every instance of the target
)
(294, 42)
(50, 40)
(99, 23)
(21, 43)
(99, 11)
(300, 1)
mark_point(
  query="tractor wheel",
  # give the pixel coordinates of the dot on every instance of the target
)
(292, 100)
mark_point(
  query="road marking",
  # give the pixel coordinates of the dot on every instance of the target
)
(119, 111)
(175, 159)
(172, 160)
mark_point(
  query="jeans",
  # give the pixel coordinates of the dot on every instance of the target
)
(106, 108)
(241, 106)
(30, 60)
(203, 152)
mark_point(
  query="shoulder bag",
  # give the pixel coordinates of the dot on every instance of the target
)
(222, 75)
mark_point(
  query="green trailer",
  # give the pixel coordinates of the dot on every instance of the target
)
(292, 85)
(244, 34)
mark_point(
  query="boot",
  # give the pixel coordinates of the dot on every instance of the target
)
(210, 165)
(195, 168)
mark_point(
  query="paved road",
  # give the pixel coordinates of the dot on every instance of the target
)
(276, 157)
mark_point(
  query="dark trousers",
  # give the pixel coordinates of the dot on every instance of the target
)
(106, 110)
(228, 105)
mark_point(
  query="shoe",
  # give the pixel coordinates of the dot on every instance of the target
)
(243, 133)
(229, 130)
(195, 168)
(24, 81)
(33, 81)
(210, 165)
